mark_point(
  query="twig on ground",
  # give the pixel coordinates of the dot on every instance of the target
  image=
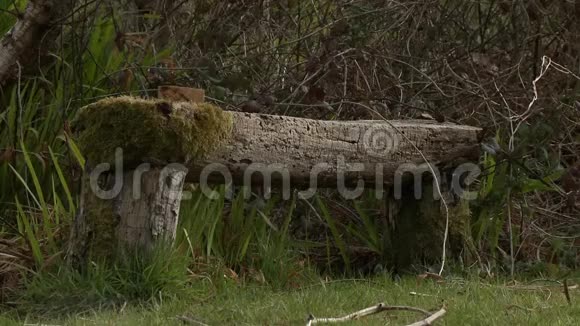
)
(420, 294)
(429, 320)
(430, 317)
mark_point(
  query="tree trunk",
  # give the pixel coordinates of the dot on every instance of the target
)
(21, 44)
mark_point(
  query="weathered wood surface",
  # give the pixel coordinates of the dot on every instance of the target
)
(360, 149)
(140, 215)
(143, 212)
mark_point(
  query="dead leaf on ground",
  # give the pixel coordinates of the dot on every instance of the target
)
(430, 276)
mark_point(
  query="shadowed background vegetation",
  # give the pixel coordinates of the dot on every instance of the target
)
(510, 67)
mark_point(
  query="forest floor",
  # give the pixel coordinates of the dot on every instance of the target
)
(468, 302)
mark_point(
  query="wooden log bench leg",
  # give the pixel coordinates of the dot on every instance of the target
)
(418, 229)
(132, 213)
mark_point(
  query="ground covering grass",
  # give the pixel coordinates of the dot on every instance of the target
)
(468, 302)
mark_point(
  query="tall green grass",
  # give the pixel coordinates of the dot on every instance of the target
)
(140, 279)
(242, 235)
(41, 163)
(40, 185)
(7, 14)
(507, 180)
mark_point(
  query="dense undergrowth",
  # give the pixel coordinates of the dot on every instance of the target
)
(508, 67)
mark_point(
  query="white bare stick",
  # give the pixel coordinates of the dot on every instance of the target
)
(377, 309)
(435, 179)
(429, 320)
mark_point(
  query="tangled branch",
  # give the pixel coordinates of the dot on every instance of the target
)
(428, 320)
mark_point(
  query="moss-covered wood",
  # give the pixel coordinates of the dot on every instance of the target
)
(418, 228)
(93, 231)
(196, 135)
(200, 134)
(144, 214)
(147, 130)
(138, 209)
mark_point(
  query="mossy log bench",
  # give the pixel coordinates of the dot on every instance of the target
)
(140, 153)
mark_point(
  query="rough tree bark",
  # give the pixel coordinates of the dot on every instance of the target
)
(362, 150)
(25, 38)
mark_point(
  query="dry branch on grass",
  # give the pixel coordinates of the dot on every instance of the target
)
(428, 320)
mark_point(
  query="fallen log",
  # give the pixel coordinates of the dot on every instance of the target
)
(157, 145)
(302, 150)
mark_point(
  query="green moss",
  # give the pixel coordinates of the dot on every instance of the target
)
(94, 235)
(150, 130)
(102, 222)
